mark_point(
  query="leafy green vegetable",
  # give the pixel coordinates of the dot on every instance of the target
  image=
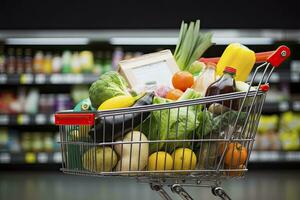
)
(109, 85)
(208, 124)
(171, 124)
(189, 94)
(221, 122)
(191, 44)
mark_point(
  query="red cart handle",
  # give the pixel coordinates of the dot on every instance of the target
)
(74, 119)
(274, 57)
(280, 55)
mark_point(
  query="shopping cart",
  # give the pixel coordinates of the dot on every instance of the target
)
(197, 142)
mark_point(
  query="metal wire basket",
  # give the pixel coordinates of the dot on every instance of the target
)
(196, 142)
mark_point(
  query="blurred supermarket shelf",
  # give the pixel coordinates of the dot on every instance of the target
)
(30, 158)
(283, 106)
(26, 119)
(68, 79)
(275, 156)
(132, 37)
(40, 79)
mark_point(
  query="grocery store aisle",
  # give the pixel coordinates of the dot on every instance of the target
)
(57, 186)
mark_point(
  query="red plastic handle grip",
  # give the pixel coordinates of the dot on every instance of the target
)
(74, 119)
(264, 87)
(280, 55)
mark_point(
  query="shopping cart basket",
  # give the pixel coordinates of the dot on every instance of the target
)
(197, 142)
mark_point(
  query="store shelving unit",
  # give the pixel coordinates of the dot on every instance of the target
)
(144, 41)
(30, 158)
(43, 79)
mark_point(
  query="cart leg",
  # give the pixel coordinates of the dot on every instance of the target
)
(159, 188)
(220, 192)
(176, 188)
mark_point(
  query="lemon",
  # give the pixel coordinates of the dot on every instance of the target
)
(184, 159)
(164, 161)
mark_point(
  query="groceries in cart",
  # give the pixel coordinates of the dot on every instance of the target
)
(171, 115)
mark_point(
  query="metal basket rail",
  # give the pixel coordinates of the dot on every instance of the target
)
(195, 142)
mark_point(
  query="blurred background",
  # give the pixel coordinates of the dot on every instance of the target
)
(51, 51)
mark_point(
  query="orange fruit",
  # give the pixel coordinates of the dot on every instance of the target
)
(174, 94)
(182, 80)
(236, 155)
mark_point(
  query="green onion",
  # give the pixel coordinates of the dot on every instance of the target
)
(191, 44)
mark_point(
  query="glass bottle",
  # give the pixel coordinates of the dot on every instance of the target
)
(225, 84)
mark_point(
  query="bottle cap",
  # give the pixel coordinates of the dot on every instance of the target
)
(230, 70)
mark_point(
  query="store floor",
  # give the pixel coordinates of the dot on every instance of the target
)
(257, 185)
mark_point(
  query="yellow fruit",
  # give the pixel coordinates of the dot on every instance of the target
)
(122, 101)
(164, 161)
(98, 159)
(184, 159)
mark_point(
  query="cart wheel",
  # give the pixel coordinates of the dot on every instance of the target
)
(176, 188)
(220, 192)
(159, 188)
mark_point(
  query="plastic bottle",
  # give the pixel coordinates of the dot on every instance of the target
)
(56, 64)
(28, 61)
(2, 61)
(75, 63)
(117, 57)
(11, 61)
(19, 61)
(66, 62)
(206, 77)
(225, 84)
(38, 62)
(48, 63)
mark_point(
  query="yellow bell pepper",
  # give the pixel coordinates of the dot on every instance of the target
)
(238, 56)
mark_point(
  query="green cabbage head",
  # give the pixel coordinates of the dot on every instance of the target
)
(108, 85)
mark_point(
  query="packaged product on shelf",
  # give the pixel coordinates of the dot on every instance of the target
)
(19, 61)
(28, 61)
(268, 138)
(18, 105)
(38, 62)
(75, 63)
(56, 63)
(26, 141)
(79, 92)
(32, 101)
(66, 62)
(47, 69)
(11, 61)
(14, 142)
(2, 60)
(117, 56)
(107, 65)
(56, 139)
(290, 131)
(99, 63)
(62, 102)
(48, 142)
(37, 142)
(86, 61)
(6, 97)
(4, 137)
